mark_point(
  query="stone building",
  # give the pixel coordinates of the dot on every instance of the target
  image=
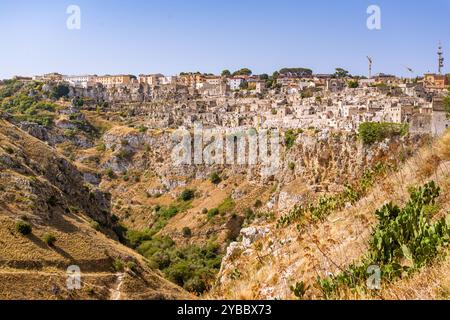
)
(117, 80)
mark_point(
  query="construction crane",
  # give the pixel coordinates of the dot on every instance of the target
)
(409, 69)
(370, 66)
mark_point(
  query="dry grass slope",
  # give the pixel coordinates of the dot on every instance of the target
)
(40, 186)
(286, 256)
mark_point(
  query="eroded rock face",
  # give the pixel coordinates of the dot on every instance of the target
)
(36, 130)
(287, 200)
(59, 178)
(252, 234)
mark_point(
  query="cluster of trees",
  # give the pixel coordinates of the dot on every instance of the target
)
(370, 132)
(300, 72)
(341, 73)
(190, 73)
(192, 267)
(240, 72)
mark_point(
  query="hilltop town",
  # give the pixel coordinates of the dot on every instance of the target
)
(292, 98)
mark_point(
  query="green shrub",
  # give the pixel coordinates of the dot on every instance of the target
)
(226, 206)
(353, 84)
(101, 147)
(213, 212)
(371, 132)
(78, 102)
(8, 149)
(187, 195)
(110, 173)
(142, 129)
(15, 99)
(90, 291)
(95, 225)
(299, 289)
(289, 138)
(403, 234)
(23, 227)
(168, 212)
(215, 178)
(249, 215)
(49, 239)
(291, 166)
(131, 265)
(187, 232)
(118, 265)
(135, 238)
(60, 91)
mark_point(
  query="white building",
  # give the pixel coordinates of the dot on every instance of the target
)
(235, 83)
(167, 80)
(80, 81)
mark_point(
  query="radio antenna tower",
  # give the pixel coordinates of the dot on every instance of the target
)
(440, 59)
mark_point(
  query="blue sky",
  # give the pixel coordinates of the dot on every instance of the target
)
(170, 36)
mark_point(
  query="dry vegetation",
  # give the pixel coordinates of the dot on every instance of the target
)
(289, 255)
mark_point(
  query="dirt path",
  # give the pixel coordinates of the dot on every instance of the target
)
(116, 293)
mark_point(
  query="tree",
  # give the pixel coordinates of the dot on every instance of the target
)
(264, 76)
(341, 73)
(226, 73)
(243, 72)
